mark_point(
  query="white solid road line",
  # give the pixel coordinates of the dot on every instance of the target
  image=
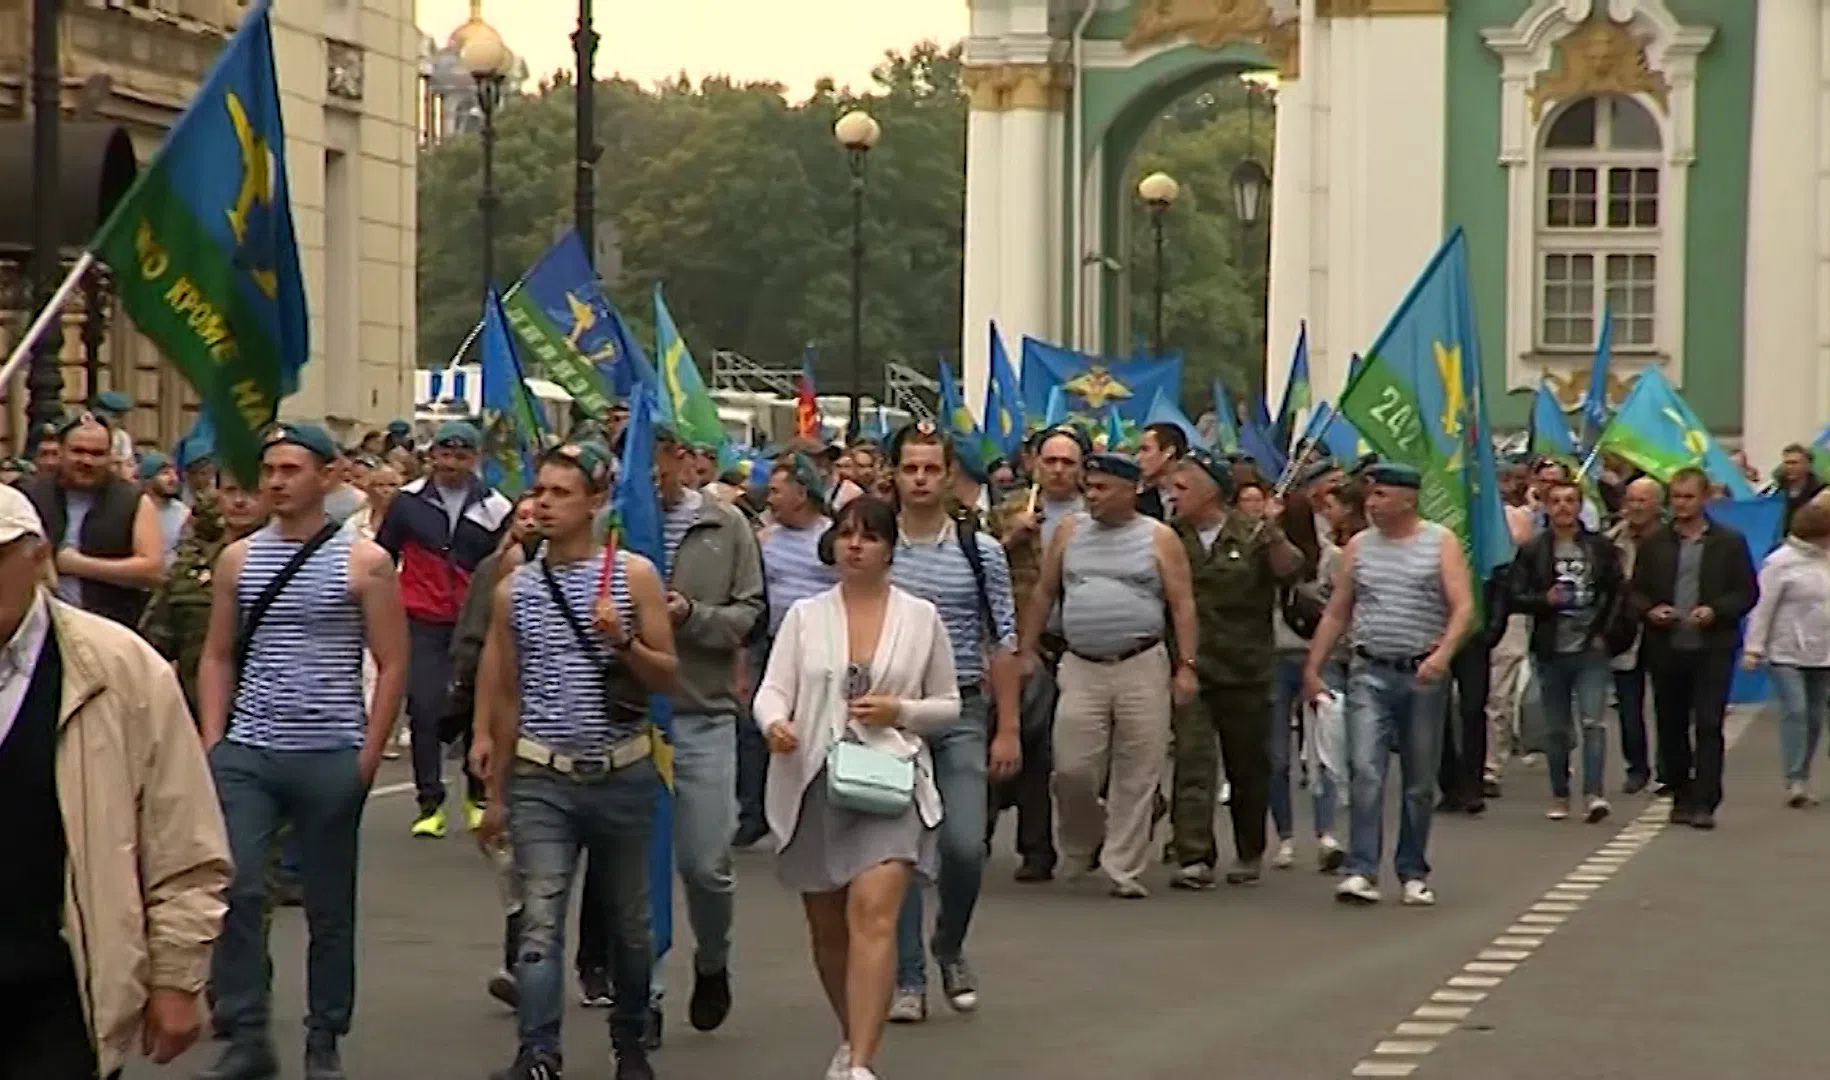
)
(1526, 934)
(390, 789)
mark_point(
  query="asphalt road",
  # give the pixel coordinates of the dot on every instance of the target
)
(1670, 954)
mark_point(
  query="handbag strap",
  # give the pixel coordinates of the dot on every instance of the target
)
(257, 612)
(591, 646)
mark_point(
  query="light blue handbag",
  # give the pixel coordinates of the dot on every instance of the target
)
(862, 778)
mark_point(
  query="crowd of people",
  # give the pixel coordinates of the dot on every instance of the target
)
(864, 663)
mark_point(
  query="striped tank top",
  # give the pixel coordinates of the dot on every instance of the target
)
(1111, 591)
(563, 689)
(1399, 610)
(301, 688)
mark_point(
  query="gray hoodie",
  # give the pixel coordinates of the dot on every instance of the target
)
(719, 569)
(1790, 625)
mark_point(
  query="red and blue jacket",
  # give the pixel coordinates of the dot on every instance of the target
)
(436, 559)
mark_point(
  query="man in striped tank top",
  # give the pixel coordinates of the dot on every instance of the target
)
(291, 739)
(1116, 572)
(577, 641)
(1403, 588)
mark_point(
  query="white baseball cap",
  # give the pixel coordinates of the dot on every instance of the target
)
(18, 517)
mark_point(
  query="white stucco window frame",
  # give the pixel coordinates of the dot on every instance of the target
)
(1527, 51)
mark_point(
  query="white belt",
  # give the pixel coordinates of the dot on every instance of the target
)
(621, 756)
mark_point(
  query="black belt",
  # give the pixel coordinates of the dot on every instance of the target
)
(1406, 664)
(968, 691)
(1121, 657)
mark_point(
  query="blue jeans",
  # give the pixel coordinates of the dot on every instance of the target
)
(705, 818)
(959, 772)
(551, 819)
(321, 794)
(1630, 701)
(1804, 700)
(1574, 690)
(1286, 688)
(1390, 711)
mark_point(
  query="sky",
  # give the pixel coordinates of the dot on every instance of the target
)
(794, 42)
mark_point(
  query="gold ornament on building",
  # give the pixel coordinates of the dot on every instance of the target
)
(1572, 389)
(1599, 57)
(1214, 23)
(997, 87)
(1354, 9)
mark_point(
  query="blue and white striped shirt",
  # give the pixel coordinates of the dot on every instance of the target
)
(937, 571)
(562, 687)
(677, 520)
(792, 569)
(301, 688)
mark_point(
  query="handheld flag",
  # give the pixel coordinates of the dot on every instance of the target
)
(1164, 411)
(954, 416)
(1656, 430)
(197, 444)
(511, 422)
(204, 254)
(561, 314)
(1260, 442)
(1115, 431)
(1057, 413)
(1005, 419)
(806, 406)
(1297, 394)
(1091, 383)
(636, 508)
(1595, 405)
(1417, 398)
(1226, 419)
(1334, 432)
(694, 413)
(1820, 454)
(1550, 433)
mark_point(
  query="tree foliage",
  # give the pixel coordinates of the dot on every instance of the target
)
(739, 201)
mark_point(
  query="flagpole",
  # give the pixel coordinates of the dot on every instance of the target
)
(59, 300)
(470, 338)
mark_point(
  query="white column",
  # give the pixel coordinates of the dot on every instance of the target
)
(1779, 380)
(1386, 166)
(1289, 281)
(984, 268)
(1023, 300)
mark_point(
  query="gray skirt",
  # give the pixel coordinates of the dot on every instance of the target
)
(832, 845)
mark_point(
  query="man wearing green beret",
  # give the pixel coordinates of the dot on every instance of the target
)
(1238, 564)
(159, 483)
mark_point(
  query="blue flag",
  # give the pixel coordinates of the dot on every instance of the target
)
(1164, 411)
(1226, 419)
(636, 509)
(1259, 440)
(953, 415)
(1656, 429)
(1005, 418)
(511, 419)
(1335, 433)
(1297, 393)
(1550, 433)
(1092, 383)
(1057, 412)
(197, 444)
(1115, 431)
(1595, 404)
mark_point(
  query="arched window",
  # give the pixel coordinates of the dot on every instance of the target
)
(1599, 236)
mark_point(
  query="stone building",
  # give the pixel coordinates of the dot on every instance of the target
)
(349, 78)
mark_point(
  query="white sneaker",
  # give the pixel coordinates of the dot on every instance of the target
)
(1286, 855)
(1226, 793)
(1417, 894)
(909, 1007)
(1357, 889)
(840, 1067)
(1328, 854)
(859, 1072)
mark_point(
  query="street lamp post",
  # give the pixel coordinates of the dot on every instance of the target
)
(1159, 191)
(489, 62)
(584, 194)
(45, 384)
(1251, 186)
(858, 133)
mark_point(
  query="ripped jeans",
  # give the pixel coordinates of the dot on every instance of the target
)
(552, 819)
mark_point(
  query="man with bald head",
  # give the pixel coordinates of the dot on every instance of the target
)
(1642, 509)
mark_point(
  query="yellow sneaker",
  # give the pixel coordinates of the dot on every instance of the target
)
(473, 814)
(430, 825)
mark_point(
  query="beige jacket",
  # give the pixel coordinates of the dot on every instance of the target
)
(149, 858)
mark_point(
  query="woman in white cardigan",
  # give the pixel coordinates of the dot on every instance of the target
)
(866, 662)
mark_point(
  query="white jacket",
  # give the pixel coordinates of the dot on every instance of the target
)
(805, 688)
(1790, 625)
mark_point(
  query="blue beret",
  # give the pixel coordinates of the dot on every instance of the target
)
(399, 427)
(1395, 474)
(152, 463)
(309, 436)
(1119, 465)
(112, 401)
(461, 434)
(1217, 468)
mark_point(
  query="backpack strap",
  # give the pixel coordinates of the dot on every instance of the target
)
(968, 534)
(257, 611)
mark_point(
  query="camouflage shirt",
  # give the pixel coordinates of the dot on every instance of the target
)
(178, 616)
(1235, 591)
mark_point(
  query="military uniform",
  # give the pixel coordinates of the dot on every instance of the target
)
(1235, 593)
(1028, 791)
(177, 618)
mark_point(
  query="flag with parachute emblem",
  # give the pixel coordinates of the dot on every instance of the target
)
(511, 422)
(1417, 398)
(1005, 419)
(1656, 430)
(204, 254)
(1297, 393)
(689, 404)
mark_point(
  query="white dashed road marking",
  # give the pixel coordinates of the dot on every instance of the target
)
(1417, 1035)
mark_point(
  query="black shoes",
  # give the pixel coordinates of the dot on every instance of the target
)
(1701, 819)
(1035, 871)
(594, 989)
(531, 1065)
(250, 1059)
(711, 1001)
(633, 1065)
(322, 1062)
